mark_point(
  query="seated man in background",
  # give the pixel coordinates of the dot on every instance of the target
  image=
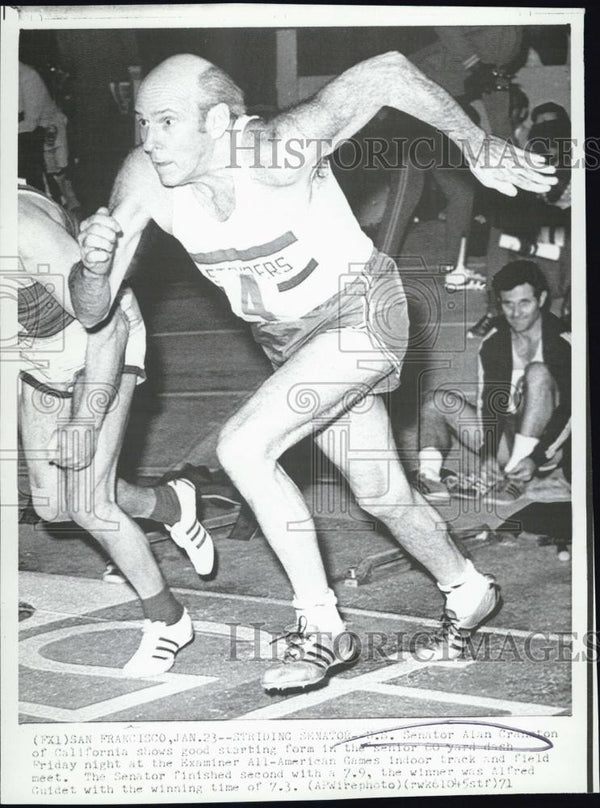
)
(75, 393)
(522, 418)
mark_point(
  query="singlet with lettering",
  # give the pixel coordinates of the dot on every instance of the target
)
(283, 250)
(40, 314)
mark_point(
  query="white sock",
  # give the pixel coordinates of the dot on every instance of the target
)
(430, 463)
(322, 614)
(464, 596)
(469, 573)
(522, 448)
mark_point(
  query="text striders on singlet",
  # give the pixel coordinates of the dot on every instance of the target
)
(284, 249)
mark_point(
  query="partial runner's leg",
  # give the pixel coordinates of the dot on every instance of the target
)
(92, 504)
(371, 466)
(376, 477)
(310, 390)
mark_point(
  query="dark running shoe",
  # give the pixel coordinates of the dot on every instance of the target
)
(434, 491)
(473, 488)
(310, 656)
(506, 492)
(25, 610)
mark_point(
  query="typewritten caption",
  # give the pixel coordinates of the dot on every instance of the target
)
(110, 765)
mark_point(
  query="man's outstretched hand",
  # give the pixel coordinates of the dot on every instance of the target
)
(98, 237)
(506, 168)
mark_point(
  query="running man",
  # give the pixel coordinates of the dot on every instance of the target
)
(74, 399)
(257, 208)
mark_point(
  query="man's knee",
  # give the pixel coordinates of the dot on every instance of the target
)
(383, 495)
(440, 403)
(537, 374)
(46, 505)
(96, 514)
(241, 447)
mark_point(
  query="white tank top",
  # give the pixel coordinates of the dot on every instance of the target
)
(283, 250)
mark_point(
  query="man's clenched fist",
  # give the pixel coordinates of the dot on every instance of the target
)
(98, 237)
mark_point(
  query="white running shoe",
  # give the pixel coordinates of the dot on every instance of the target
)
(464, 279)
(189, 533)
(159, 646)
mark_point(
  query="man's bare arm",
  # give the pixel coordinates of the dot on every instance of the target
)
(347, 103)
(109, 238)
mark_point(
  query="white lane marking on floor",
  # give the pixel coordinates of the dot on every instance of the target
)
(43, 588)
(117, 704)
(486, 703)
(102, 592)
(59, 597)
(377, 681)
(168, 684)
(395, 616)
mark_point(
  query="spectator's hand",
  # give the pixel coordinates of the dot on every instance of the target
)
(490, 470)
(523, 471)
(75, 445)
(504, 167)
(98, 237)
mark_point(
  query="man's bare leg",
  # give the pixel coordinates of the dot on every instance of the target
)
(84, 496)
(277, 417)
(87, 497)
(445, 416)
(381, 489)
(539, 399)
(377, 479)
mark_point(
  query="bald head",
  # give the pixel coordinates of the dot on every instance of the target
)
(196, 79)
(184, 69)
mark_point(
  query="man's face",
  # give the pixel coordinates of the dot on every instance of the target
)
(521, 307)
(170, 129)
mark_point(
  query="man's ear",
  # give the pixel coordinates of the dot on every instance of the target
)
(543, 297)
(217, 120)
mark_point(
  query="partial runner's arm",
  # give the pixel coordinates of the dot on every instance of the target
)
(109, 238)
(315, 127)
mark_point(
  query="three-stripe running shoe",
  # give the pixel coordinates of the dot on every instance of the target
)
(159, 646)
(309, 657)
(189, 534)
